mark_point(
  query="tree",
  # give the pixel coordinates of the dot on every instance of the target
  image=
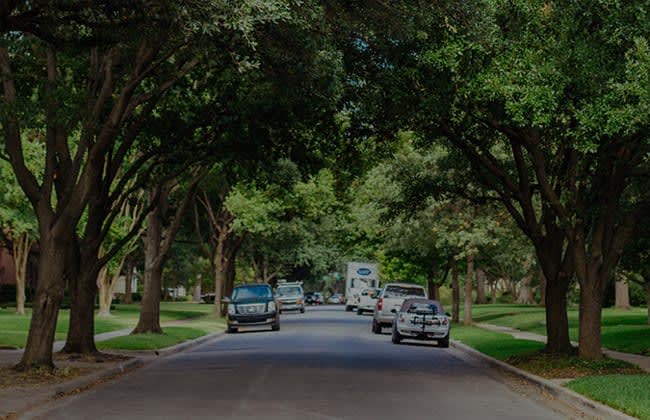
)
(103, 75)
(17, 220)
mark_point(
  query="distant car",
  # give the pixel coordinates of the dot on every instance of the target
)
(291, 297)
(252, 305)
(390, 300)
(421, 319)
(367, 300)
(335, 299)
(320, 299)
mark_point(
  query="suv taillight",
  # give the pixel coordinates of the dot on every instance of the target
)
(380, 304)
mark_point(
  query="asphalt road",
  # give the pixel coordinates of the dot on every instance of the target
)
(324, 364)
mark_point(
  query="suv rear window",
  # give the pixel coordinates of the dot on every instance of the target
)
(289, 291)
(252, 292)
(402, 291)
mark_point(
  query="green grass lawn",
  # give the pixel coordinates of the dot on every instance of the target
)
(14, 328)
(170, 336)
(628, 393)
(495, 344)
(622, 330)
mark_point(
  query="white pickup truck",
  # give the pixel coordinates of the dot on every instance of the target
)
(390, 301)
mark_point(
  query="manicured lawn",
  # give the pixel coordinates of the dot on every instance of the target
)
(498, 345)
(628, 393)
(170, 336)
(626, 331)
(14, 328)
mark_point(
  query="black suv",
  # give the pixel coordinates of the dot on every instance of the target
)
(252, 305)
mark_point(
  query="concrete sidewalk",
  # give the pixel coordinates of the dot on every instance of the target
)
(642, 362)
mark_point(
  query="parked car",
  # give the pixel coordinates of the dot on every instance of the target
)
(335, 299)
(390, 300)
(421, 319)
(320, 299)
(368, 300)
(291, 296)
(252, 305)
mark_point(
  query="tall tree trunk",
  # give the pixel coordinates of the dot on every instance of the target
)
(219, 266)
(467, 309)
(557, 266)
(107, 282)
(622, 292)
(21, 247)
(455, 292)
(196, 292)
(149, 321)
(591, 300)
(433, 288)
(525, 295)
(542, 287)
(45, 308)
(480, 287)
(493, 291)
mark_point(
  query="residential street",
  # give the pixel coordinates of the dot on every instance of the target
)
(324, 364)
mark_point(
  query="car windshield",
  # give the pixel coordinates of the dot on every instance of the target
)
(252, 292)
(401, 291)
(289, 291)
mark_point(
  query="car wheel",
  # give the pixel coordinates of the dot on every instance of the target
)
(231, 330)
(359, 311)
(348, 308)
(444, 343)
(275, 327)
(302, 310)
(376, 327)
(397, 337)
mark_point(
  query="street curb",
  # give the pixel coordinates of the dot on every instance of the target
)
(186, 345)
(84, 383)
(560, 393)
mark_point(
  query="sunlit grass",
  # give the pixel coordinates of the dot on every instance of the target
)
(14, 328)
(628, 393)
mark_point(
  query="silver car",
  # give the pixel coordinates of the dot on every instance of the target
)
(421, 319)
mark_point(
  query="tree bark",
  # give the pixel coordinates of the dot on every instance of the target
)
(542, 287)
(591, 298)
(45, 309)
(469, 279)
(433, 289)
(622, 294)
(21, 247)
(455, 292)
(149, 321)
(219, 266)
(480, 287)
(525, 295)
(493, 290)
(107, 282)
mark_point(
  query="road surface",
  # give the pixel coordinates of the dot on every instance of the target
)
(324, 364)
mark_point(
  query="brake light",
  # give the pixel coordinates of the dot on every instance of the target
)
(380, 304)
(445, 321)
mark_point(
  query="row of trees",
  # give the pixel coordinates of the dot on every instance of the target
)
(213, 121)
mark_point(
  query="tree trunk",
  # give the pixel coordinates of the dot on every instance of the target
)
(219, 266)
(622, 294)
(493, 291)
(21, 248)
(480, 287)
(128, 281)
(196, 292)
(455, 292)
(81, 329)
(591, 297)
(525, 295)
(45, 309)
(105, 292)
(149, 321)
(542, 287)
(433, 288)
(469, 279)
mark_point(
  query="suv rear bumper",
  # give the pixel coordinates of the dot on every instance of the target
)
(253, 319)
(384, 318)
